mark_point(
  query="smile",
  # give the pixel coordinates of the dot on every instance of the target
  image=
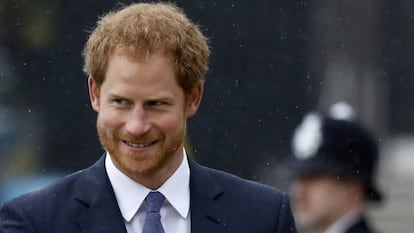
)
(139, 145)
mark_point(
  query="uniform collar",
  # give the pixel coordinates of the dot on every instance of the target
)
(345, 222)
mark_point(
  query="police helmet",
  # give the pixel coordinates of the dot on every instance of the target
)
(336, 143)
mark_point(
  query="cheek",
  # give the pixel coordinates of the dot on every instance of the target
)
(326, 196)
(171, 123)
(316, 195)
(110, 119)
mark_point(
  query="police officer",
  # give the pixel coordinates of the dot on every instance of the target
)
(335, 160)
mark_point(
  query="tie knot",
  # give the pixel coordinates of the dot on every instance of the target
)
(154, 201)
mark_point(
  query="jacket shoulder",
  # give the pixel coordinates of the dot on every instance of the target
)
(36, 209)
(252, 206)
(238, 183)
(56, 194)
(240, 189)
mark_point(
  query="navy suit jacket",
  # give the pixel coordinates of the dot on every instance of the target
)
(85, 202)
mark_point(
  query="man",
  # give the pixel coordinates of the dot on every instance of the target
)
(334, 165)
(146, 65)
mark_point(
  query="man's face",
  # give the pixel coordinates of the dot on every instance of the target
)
(318, 201)
(142, 115)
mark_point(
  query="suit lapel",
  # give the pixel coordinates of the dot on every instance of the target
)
(102, 214)
(206, 202)
(94, 191)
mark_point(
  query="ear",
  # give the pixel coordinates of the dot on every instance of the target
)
(93, 93)
(194, 100)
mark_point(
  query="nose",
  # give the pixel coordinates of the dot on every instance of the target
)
(137, 122)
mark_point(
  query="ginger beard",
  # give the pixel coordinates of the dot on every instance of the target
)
(137, 163)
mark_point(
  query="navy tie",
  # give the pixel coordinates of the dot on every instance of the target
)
(152, 223)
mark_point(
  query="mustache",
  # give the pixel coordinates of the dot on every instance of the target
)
(133, 138)
(121, 134)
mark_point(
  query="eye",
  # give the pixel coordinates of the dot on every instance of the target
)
(120, 101)
(156, 103)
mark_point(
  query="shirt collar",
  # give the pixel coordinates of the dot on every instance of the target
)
(130, 194)
(345, 222)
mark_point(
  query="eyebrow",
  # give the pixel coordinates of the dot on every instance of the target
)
(116, 96)
(149, 98)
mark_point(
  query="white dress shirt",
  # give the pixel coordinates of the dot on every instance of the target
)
(130, 195)
(344, 223)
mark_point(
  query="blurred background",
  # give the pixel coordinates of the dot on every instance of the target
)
(272, 62)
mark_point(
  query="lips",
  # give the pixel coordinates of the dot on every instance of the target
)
(139, 145)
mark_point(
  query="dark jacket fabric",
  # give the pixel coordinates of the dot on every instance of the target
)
(85, 202)
(360, 227)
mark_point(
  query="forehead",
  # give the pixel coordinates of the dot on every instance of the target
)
(320, 179)
(125, 62)
(154, 72)
(160, 60)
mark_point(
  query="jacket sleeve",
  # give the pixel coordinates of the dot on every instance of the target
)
(286, 222)
(14, 219)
